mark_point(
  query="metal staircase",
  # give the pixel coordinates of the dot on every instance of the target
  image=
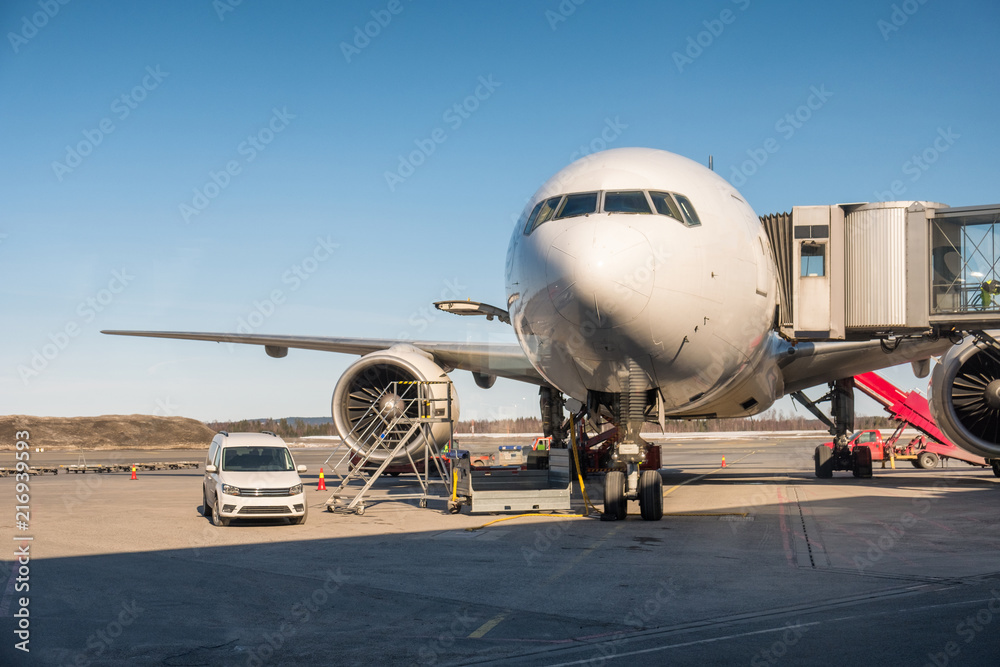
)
(382, 440)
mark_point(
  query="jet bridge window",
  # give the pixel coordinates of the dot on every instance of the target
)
(813, 259)
(631, 201)
(543, 213)
(580, 204)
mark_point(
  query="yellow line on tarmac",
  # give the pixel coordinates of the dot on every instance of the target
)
(695, 479)
(489, 625)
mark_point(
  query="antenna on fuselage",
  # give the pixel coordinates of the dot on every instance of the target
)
(712, 168)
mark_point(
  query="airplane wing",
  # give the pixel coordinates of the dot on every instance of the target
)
(506, 360)
(809, 364)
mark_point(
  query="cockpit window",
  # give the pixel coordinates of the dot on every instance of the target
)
(631, 201)
(577, 204)
(690, 215)
(531, 218)
(665, 205)
(580, 204)
(543, 212)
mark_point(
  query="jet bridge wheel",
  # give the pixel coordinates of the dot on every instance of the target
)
(615, 502)
(823, 459)
(651, 495)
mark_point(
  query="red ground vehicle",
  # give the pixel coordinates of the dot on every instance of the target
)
(921, 451)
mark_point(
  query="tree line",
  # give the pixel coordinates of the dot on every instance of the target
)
(778, 421)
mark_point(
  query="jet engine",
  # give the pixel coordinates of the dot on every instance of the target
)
(379, 397)
(965, 397)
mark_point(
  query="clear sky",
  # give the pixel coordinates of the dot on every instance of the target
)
(207, 166)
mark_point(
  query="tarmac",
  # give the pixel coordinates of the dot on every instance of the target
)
(757, 563)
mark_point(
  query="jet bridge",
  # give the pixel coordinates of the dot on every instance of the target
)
(877, 270)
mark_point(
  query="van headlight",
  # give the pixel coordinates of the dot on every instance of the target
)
(295, 490)
(230, 490)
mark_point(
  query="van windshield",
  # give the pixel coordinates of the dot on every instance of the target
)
(256, 459)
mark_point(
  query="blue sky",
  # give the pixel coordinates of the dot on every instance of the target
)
(205, 166)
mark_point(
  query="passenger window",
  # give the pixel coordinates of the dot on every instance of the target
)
(545, 212)
(632, 201)
(575, 205)
(665, 205)
(690, 215)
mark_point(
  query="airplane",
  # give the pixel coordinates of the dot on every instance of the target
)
(642, 285)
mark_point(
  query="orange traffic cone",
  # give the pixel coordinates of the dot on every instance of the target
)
(322, 482)
(133, 473)
(723, 461)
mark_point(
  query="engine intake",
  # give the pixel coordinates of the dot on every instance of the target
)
(965, 397)
(365, 412)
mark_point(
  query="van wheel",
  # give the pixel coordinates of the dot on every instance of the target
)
(217, 518)
(205, 511)
(299, 520)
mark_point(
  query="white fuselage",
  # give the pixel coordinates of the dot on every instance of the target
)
(692, 304)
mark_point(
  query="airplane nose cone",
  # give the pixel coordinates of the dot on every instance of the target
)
(600, 271)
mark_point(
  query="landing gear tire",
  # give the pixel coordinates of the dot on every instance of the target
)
(862, 462)
(927, 460)
(651, 495)
(823, 458)
(615, 503)
(996, 467)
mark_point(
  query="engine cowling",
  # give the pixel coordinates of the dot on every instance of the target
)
(964, 397)
(364, 410)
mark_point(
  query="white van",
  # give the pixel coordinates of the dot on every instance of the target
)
(252, 476)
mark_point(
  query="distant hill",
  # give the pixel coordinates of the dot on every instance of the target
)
(107, 432)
